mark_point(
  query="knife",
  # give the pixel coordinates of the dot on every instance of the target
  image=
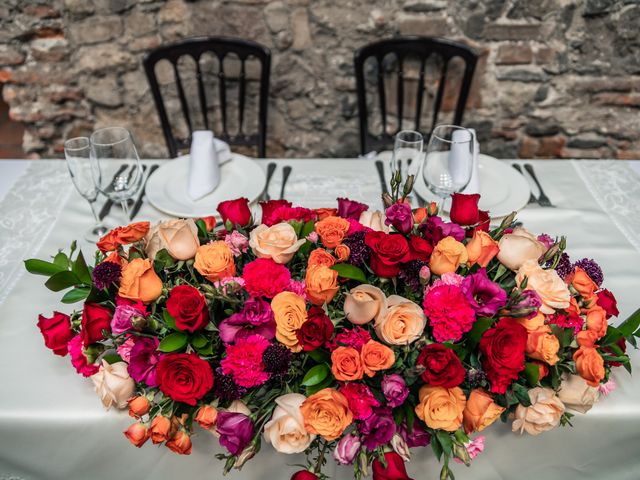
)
(383, 182)
(286, 171)
(270, 169)
(138, 204)
(106, 208)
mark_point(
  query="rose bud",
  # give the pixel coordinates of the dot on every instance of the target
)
(137, 434)
(180, 443)
(464, 209)
(159, 430)
(207, 416)
(138, 406)
(246, 455)
(304, 475)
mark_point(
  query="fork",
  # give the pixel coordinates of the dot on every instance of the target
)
(543, 200)
(422, 202)
(532, 197)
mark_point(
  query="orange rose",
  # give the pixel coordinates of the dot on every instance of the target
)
(138, 406)
(543, 345)
(441, 408)
(139, 281)
(326, 413)
(180, 443)
(375, 357)
(346, 364)
(597, 320)
(447, 256)
(321, 284)
(582, 282)
(278, 242)
(587, 338)
(533, 323)
(480, 411)
(137, 434)
(207, 416)
(481, 248)
(113, 257)
(123, 236)
(420, 215)
(589, 365)
(320, 256)
(403, 323)
(342, 252)
(160, 428)
(290, 312)
(326, 212)
(332, 230)
(214, 261)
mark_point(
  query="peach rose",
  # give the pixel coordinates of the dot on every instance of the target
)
(138, 406)
(342, 252)
(447, 256)
(543, 414)
(180, 443)
(420, 214)
(139, 281)
(326, 413)
(160, 429)
(480, 411)
(214, 261)
(547, 284)
(123, 236)
(403, 323)
(290, 313)
(332, 230)
(375, 220)
(577, 394)
(278, 242)
(207, 416)
(586, 338)
(441, 408)
(364, 303)
(346, 364)
(589, 365)
(518, 247)
(113, 384)
(597, 320)
(533, 323)
(376, 357)
(481, 248)
(543, 345)
(286, 431)
(178, 237)
(137, 434)
(320, 256)
(321, 284)
(582, 283)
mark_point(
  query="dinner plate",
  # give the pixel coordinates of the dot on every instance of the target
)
(167, 187)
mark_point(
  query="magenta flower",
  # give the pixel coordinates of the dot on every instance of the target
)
(435, 229)
(124, 313)
(350, 208)
(256, 318)
(79, 360)
(244, 361)
(418, 437)
(527, 305)
(361, 400)
(485, 297)
(235, 430)
(394, 390)
(448, 312)
(355, 338)
(399, 215)
(143, 359)
(378, 429)
(346, 449)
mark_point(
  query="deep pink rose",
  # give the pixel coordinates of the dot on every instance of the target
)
(56, 332)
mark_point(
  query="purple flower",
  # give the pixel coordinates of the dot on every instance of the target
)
(143, 360)
(256, 318)
(121, 321)
(347, 449)
(105, 274)
(394, 389)
(546, 240)
(528, 303)
(434, 230)
(235, 430)
(592, 269)
(377, 429)
(399, 215)
(350, 208)
(360, 252)
(564, 267)
(418, 437)
(485, 297)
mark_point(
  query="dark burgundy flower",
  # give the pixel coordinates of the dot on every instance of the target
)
(350, 208)
(316, 331)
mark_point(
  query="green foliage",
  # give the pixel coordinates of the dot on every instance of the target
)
(173, 342)
(315, 375)
(351, 272)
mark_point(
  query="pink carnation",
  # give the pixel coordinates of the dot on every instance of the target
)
(237, 243)
(355, 338)
(229, 284)
(361, 400)
(79, 359)
(474, 448)
(124, 350)
(298, 287)
(448, 312)
(606, 388)
(312, 237)
(265, 278)
(355, 226)
(244, 361)
(568, 321)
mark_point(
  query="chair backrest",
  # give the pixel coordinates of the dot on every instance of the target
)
(402, 48)
(220, 48)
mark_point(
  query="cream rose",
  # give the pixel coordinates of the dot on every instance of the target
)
(178, 237)
(519, 246)
(374, 220)
(278, 242)
(543, 414)
(552, 290)
(285, 431)
(113, 384)
(365, 303)
(403, 323)
(577, 394)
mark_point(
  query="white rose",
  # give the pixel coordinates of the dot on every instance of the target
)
(278, 242)
(519, 246)
(374, 220)
(113, 384)
(543, 414)
(576, 394)
(285, 431)
(178, 237)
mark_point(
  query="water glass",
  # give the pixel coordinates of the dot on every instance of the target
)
(407, 154)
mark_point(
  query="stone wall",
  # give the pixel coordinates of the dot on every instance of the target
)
(557, 78)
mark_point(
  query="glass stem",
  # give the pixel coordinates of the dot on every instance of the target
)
(92, 204)
(125, 208)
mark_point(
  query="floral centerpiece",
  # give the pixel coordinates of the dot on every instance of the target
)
(344, 331)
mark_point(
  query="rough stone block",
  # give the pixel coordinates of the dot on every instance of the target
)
(10, 55)
(514, 55)
(415, 24)
(96, 29)
(301, 29)
(512, 31)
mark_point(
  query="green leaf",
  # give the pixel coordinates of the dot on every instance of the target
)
(631, 324)
(173, 342)
(81, 270)
(75, 295)
(168, 319)
(398, 416)
(351, 272)
(612, 336)
(322, 385)
(198, 341)
(436, 447)
(62, 280)
(522, 394)
(315, 375)
(410, 415)
(320, 356)
(480, 326)
(307, 229)
(206, 350)
(531, 373)
(61, 260)
(112, 358)
(40, 267)
(445, 441)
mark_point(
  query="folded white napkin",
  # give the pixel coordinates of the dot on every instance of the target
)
(204, 165)
(460, 156)
(474, 183)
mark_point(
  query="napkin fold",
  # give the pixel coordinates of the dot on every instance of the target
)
(460, 157)
(474, 183)
(204, 163)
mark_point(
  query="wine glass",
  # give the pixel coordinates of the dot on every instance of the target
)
(407, 154)
(107, 146)
(449, 161)
(77, 151)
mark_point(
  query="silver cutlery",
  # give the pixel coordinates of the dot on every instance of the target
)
(383, 182)
(543, 200)
(270, 169)
(138, 203)
(106, 208)
(532, 197)
(286, 171)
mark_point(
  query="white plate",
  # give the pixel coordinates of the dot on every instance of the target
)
(167, 187)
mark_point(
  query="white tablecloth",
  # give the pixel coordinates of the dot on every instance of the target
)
(52, 426)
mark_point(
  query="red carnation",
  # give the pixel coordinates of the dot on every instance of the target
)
(316, 331)
(265, 278)
(420, 248)
(502, 349)
(464, 209)
(184, 377)
(442, 366)
(95, 319)
(388, 251)
(187, 305)
(395, 469)
(608, 302)
(269, 207)
(56, 332)
(286, 213)
(235, 211)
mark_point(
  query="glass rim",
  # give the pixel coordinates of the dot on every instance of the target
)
(413, 132)
(456, 127)
(67, 143)
(127, 136)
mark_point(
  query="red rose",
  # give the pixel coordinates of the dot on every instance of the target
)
(269, 207)
(395, 468)
(236, 211)
(483, 223)
(187, 305)
(95, 319)
(350, 208)
(420, 248)
(56, 332)
(442, 366)
(286, 213)
(316, 331)
(502, 349)
(184, 377)
(388, 251)
(608, 302)
(464, 209)
(304, 475)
